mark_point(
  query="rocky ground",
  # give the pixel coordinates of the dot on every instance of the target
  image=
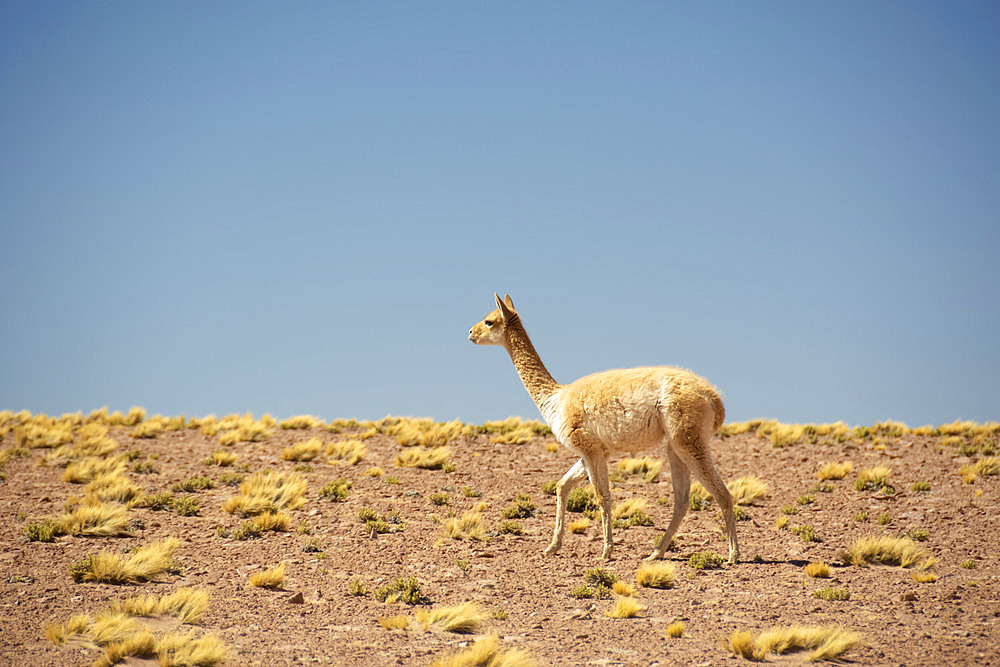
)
(314, 618)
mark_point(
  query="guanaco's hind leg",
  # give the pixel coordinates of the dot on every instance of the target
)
(701, 466)
(569, 481)
(680, 476)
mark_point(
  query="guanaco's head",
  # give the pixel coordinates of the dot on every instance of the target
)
(491, 330)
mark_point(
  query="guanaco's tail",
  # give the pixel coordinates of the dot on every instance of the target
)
(720, 411)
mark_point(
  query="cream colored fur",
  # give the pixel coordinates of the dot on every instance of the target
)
(619, 411)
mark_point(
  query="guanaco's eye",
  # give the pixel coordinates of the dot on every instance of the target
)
(488, 323)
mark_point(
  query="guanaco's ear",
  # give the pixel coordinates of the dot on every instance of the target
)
(505, 312)
(507, 300)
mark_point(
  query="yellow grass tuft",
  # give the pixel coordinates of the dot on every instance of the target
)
(628, 508)
(699, 497)
(89, 468)
(833, 470)
(272, 578)
(150, 429)
(746, 490)
(95, 519)
(141, 644)
(300, 422)
(579, 526)
(655, 575)
(487, 653)
(872, 478)
(675, 630)
(924, 577)
(112, 628)
(114, 488)
(394, 622)
(648, 467)
(621, 588)
(188, 605)
(781, 434)
(886, 550)
(825, 642)
(77, 626)
(302, 451)
(267, 490)
(243, 430)
(425, 432)
(624, 608)
(146, 563)
(346, 451)
(176, 650)
(469, 527)
(276, 521)
(984, 467)
(430, 459)
(818, 570)
(373, 472)
(221, 457)
(466, 618)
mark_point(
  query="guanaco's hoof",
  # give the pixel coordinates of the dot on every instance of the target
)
(552, 549)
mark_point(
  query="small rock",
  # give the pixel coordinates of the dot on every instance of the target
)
(908, 597)
(297, 598)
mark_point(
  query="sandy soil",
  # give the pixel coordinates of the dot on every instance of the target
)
(955, 619)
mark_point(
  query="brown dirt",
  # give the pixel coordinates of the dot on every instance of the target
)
(903, 622)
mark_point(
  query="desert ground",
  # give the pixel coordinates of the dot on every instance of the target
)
(453, 528)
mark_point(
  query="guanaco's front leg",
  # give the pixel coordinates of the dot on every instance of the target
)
(569, 481)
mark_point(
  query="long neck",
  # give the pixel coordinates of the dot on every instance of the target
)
(534, 375)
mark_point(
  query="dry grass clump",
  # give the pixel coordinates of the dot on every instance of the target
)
(833, 470)
(346, 451)
(818, 570)
(885, 550)
(511, 424)
(466, 618)
(94, 518)
(142, 644)
(406, 590)
(468, 527)
(780, 434)
(149, 429)
(306, 450)
(374, 471)
(399, 622)
(245, 429)
(76, 627)
(984, 467)
(579, 526)
(221, 457)
(625, 607)
(429, 459)
(824, 642)
(746, 490)
(675, 630)
(272, 578)
(424, 432)
(177, 649)
(873, 478)
(621, 588)
(267, 490)
(656, 575)
(144, 564)
(486, 652)
(631, 512)
(91, 467)
(648, 467)
(699, 498)
(112, 488)
(300, 422)
(188, 605)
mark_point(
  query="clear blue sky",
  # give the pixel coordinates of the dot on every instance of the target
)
(303, 207)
